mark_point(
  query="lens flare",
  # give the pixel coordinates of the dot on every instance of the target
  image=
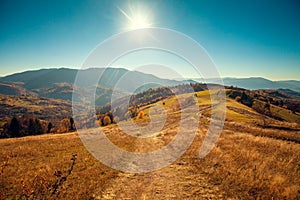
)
(137, 18)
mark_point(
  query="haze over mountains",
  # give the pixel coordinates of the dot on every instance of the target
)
(46, 78)
(59, 83)
(254, 83)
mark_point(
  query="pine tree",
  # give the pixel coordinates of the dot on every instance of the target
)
(34, 127)
(14, 128)
(49, 127)
(71, 124)
(31, 127)
(38, 127)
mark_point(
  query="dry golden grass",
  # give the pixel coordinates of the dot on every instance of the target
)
(249, 167)
(248, 162)
(42, 156)
(241, 166)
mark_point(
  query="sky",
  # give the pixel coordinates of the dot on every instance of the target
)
(243, 38)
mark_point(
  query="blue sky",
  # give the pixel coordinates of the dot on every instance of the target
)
(244, 38)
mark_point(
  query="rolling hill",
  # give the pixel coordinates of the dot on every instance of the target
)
(12, 89)
(247, 162)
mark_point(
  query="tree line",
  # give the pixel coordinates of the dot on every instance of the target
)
(24, 126)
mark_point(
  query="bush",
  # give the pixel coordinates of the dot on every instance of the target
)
(133, 112)
(106, 120)
(238, 98)
(141, 115)
(116, 119)
(64, 125)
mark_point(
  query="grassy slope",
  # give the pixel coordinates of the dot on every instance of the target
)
(33, 105)
(204, 101)
(285, 114)
(49, 110)
(241, 166)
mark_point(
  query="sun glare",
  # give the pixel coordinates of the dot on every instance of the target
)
(136, 18)
(138, 22)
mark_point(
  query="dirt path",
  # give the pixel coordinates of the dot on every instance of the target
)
(181, 180)
(178, 181)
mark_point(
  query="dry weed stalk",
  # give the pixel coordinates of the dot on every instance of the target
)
(43, 188)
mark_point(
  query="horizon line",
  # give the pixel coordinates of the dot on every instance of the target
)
(116, 67)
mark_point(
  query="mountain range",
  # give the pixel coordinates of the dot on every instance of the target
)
(46, 78)
(256, 83)
(59, 83)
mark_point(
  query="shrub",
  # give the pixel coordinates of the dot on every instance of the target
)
(116, 119)
(238, 98)
(64, 125)
(133, 112)
(141, 115)
(106, 120)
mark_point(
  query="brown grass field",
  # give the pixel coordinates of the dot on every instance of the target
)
(248, 162)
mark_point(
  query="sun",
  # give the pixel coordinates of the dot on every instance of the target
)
(136, 18)
(139, 21)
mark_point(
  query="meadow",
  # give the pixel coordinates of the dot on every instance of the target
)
(249, 161)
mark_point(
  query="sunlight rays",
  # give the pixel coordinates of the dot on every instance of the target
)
(136, 18)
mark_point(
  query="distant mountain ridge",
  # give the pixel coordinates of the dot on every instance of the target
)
(60, 83)
(46, 78)
(255, 83)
